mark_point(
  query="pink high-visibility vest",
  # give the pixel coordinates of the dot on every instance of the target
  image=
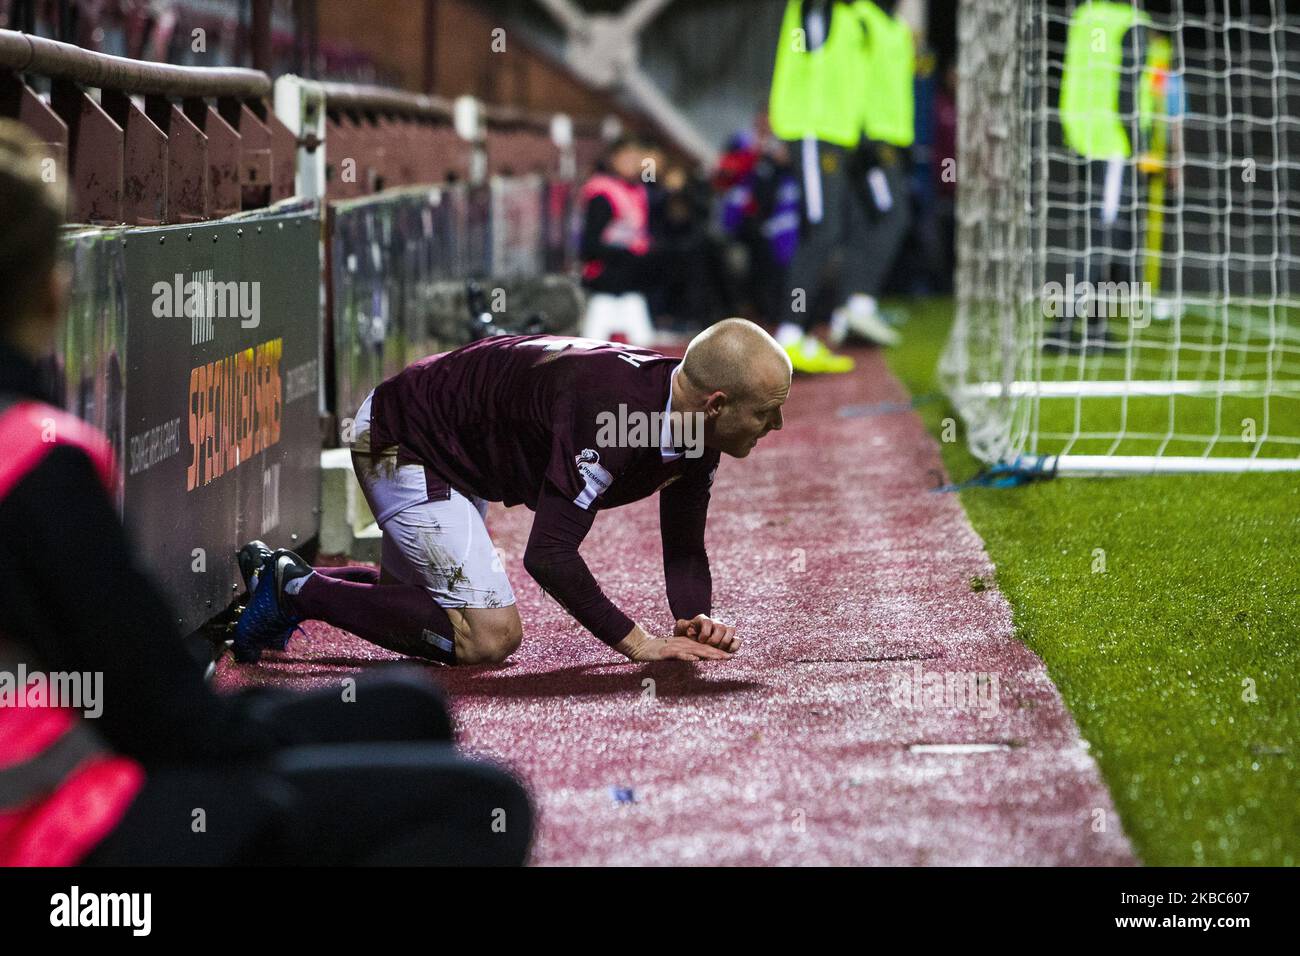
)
(61, 790)
(630, 227)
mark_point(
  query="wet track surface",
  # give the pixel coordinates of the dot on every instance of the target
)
(880, 712)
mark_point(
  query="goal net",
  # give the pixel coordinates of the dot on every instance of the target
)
(1127, 287)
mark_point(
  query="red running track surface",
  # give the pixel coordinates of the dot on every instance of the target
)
(848, 579)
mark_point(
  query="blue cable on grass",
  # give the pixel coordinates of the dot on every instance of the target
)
(1022, 471)
(886, 408)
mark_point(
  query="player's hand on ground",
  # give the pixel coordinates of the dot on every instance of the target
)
(705, 630)
(640, 646)
(679, 648)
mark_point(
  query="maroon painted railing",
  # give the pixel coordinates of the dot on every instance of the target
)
(160, 143)
(390, 137)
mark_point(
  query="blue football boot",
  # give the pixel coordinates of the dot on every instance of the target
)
(267, 621)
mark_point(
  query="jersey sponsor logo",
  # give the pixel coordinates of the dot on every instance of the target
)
(594, 474)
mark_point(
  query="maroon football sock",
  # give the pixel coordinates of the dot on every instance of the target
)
(400, 617)
(351, 572)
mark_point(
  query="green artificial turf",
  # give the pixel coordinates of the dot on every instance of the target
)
(1197, 610)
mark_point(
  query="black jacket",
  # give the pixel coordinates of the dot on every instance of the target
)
(72, 593)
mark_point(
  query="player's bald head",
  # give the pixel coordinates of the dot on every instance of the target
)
(737, 357)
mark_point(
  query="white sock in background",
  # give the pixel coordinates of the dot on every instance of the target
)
(861, 304)
(861, 315)
(839, 325)
(787, 333)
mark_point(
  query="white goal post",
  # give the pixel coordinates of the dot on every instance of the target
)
(1128, 285)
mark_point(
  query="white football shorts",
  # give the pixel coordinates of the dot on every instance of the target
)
(441, 545)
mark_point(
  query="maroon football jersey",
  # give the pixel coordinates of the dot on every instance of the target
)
(498, 418)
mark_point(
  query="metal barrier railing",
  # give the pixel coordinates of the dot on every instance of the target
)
(148, 143)
(158, 143)
(555, 146)
(356, 140)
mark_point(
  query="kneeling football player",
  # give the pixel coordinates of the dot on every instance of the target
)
(566, 426)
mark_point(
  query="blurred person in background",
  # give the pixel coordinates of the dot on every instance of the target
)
(842, 97)
(881, 167)
(941, 222)
(733, 183)
(1115, 119)
(693, 287)
(614, 245)
(282, 778)
(760, 209)
(913, 272)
